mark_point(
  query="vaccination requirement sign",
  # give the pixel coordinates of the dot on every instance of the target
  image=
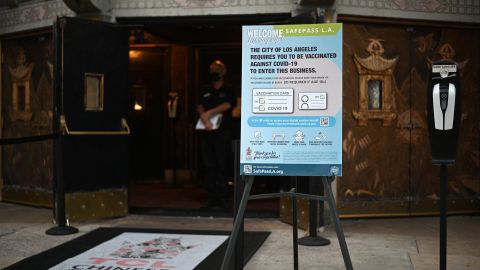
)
(292, 100)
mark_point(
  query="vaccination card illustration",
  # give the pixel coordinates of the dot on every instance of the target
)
(272, 100)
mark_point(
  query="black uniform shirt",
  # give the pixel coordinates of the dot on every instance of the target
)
(210, 98)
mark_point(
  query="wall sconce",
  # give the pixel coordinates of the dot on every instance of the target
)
(133, 54)
(137, 107)
(139, 94)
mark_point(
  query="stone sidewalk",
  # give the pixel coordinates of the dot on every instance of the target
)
(374, 244)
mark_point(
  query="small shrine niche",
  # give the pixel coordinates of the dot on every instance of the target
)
(374, 94)
(376, 98)
(20, 76)
(447, 52)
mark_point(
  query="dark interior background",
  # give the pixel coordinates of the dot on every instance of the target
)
(173, 55)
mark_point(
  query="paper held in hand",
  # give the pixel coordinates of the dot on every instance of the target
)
(216, 120)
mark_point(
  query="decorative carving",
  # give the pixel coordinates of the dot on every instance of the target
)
(425, 43)
(435, 10)
(21, 76)
(88, 6)
(37, 14)
(31, 15)
(376, 99)
(191, 4)
(415, 5)
(447, 52)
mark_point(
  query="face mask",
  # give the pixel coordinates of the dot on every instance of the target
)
(215, 76)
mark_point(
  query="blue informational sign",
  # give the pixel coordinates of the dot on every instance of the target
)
(292, 100)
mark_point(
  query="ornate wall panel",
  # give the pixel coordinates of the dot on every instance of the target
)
(376, 165)
(27, 110)
(40, 13)
(32, 15)
(438, 10)
(388, 168)
(125, 8)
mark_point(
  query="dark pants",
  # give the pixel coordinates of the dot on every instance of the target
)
(216, 152)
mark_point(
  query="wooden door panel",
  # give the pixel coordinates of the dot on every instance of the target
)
(27, 110)
(388, 165)
(376, 150)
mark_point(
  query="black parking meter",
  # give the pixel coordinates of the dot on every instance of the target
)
(444, 114)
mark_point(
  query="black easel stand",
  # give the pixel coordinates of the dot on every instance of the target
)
(313, 239)
(443, 216)
(239, 188)
(59, 206)
(239, 219)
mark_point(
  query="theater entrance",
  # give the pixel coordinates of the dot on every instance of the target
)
(169, 60)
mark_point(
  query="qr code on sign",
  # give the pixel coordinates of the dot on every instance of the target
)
(324, 122)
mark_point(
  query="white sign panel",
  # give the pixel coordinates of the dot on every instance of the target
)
(292, 100)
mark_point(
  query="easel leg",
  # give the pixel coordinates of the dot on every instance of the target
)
(238, 192)
(338, 226)
(238, 222)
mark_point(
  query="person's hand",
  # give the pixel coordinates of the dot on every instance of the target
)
(206, 121)
(208, 125)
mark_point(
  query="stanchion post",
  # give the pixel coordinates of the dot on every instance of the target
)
(443, 216)
(59, 185)
(294, 222)
(315, 187)
(62, 227)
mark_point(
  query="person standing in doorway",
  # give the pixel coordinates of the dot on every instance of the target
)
(215, 109)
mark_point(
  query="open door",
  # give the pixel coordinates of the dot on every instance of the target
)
(91, 108)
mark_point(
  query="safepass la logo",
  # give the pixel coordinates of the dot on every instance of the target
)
(247, 168)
